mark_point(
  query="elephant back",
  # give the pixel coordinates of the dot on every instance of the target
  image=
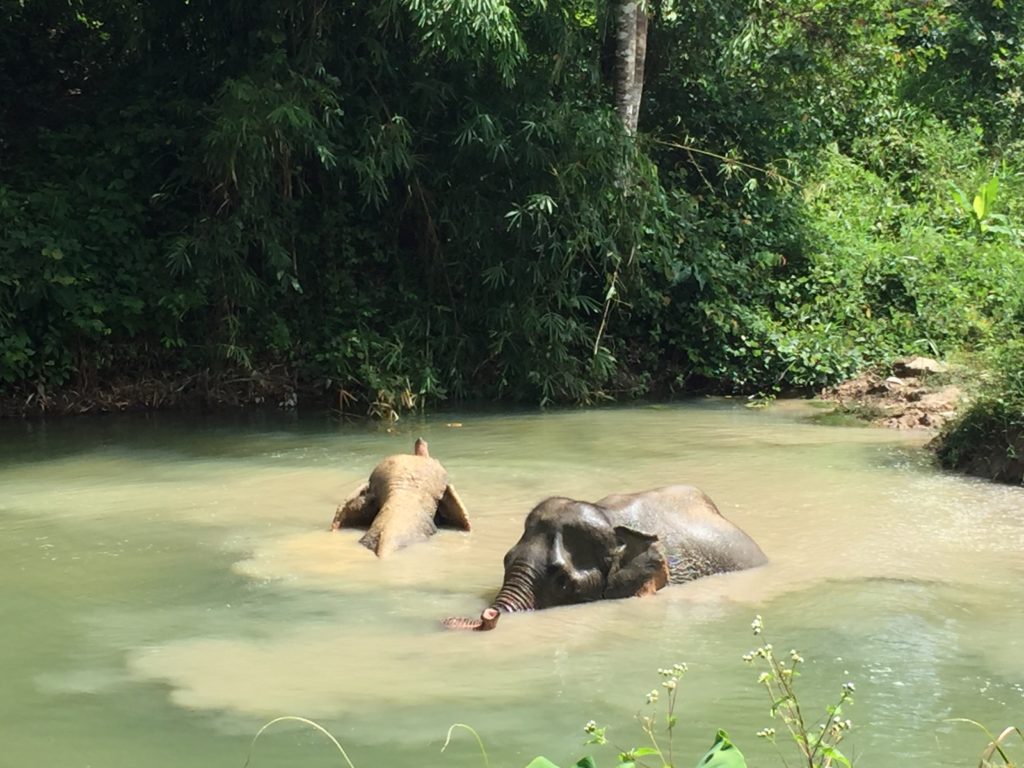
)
(409, 472)
(698, 539)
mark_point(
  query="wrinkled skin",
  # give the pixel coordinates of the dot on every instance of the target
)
(407, 498)
(624, 545)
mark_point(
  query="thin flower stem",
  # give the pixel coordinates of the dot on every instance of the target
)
(817, 744)
(794, 706)
(671, 711)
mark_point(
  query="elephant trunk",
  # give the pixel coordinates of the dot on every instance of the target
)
(404, 518)
(488, 620)
(515, 595)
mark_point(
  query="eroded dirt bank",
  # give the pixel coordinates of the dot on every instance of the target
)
(915, 395)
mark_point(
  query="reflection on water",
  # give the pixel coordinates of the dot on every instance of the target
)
(171, 585)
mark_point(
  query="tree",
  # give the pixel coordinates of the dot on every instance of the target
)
(630, 54)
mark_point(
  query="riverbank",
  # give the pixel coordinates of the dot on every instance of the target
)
(913, 393)
(201, 391)
(972, 434)
(916, 393)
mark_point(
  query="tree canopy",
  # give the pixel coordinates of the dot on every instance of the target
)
(402, 201)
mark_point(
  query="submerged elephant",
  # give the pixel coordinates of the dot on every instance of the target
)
(622, 546)
(407, 498)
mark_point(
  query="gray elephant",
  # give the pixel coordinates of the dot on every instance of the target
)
(407, 498)
(621, 546)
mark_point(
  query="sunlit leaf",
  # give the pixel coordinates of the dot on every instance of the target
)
(723, 754)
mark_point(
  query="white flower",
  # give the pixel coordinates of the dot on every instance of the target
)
(757, 624)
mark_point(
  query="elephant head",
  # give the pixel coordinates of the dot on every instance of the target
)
(572, 552)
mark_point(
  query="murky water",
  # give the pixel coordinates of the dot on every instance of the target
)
(168, 586)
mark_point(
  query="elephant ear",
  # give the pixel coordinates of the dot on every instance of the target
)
(451, 512)
(357, 511)
(639, 565)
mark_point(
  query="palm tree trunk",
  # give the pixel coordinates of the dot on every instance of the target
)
(630, 55)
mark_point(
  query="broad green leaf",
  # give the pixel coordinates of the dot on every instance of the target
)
(986, 198)
(989, 192)
(836, 755)
(723, 754)
(642, 751)
(586, 762)
(979, 207)
(1000, 229)
(541, 762)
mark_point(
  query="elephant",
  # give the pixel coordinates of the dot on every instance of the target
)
(624, 545)
(407, 498)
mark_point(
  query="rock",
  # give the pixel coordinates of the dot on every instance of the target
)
(899, 403)
(943, 401)
(916, 366)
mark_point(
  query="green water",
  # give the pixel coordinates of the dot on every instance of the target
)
(169, 585)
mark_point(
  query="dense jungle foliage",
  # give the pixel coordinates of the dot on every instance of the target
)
(389, 203)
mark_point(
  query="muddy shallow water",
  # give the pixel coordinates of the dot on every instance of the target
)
(169, 585)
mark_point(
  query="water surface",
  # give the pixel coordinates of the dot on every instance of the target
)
(169, 585)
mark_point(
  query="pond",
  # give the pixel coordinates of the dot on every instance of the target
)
(170, 585)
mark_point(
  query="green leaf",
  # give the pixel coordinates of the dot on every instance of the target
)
(979, 207)
(585, 762)
(960, 197)
(541, 762)
(986, 198)
(836, 755)
(989, 192)
(723, 754)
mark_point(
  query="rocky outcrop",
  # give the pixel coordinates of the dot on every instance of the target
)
(911, 398)
(917, 366)
(982, 442)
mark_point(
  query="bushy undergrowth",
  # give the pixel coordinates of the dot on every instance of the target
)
(887, 268)
(987, 439)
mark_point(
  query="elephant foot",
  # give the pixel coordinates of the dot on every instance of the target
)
(488, 620)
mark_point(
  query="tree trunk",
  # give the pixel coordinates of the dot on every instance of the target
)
(630, 54)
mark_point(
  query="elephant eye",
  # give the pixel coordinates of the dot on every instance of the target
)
(565, 581)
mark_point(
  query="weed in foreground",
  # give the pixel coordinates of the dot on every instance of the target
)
(994, 753)
(817, 743)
